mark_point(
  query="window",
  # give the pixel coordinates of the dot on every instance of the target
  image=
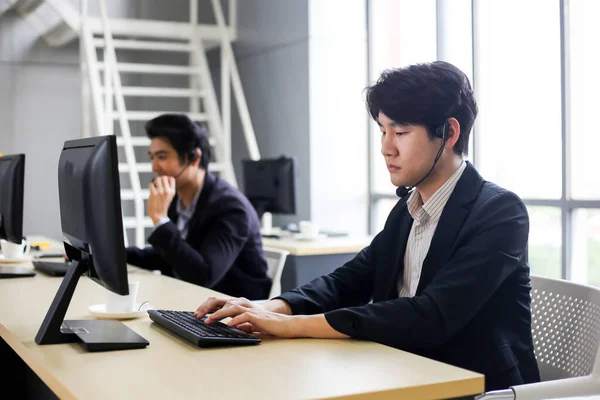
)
(519, 95)
(403, 32)
(537, 131)
(545, 241)
(584, 49)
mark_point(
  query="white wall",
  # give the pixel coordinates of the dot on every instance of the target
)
(40, 108)
(272, 57)
(302, 103)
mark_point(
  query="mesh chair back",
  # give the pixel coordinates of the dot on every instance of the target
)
(565, 327)
(275, 262)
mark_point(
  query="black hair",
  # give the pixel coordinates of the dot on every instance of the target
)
(184, 135)
(425, 94)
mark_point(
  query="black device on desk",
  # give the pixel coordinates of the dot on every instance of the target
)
(49, 255)
(15, 272)
(92, 229)
(12, 181)
(52, 267)
(184, 324)
(270, 185)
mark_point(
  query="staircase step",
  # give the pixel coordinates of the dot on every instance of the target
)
(127, 194)
(60, 35)
(146, 91)
(135, 141)
(141, 167)
(131, 222)
(26, 6)
(148, 115)
(147, 167)
(143, 141)
(146, 45)
(167, 69)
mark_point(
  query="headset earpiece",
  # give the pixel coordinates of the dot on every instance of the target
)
(442, 131)
(192, 156)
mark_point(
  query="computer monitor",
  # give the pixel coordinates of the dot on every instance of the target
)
(92, 229)
(270, 185)
(12, 178)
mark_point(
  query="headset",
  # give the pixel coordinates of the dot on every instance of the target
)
(191, 157)
(440, 132)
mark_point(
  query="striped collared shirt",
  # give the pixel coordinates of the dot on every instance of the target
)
(185, 214)
(426, 217)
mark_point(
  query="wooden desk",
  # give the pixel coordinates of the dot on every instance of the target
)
(321, 246)
(310, 259)
(172, 368)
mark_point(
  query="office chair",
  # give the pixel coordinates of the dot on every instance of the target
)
(275, 263)
(566, 336)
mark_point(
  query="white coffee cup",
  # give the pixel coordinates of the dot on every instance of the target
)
(116, 303)
(309, 229)
(13, 251)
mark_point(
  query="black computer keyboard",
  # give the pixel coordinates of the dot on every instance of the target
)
(184, 324)
(52, 268)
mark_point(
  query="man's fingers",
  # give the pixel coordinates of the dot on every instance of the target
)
(166, 183)
(241, 301)
(171, 182)
(210, 305)
(226, 312)
(246, 317)
(246, 327)
(159, 185)
(152, 189)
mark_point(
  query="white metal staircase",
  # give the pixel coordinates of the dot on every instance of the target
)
(110, 86)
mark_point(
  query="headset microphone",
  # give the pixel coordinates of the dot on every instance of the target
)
(187, 164)
(441, 131)
(191, 158)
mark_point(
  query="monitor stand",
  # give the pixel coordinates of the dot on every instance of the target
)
(94, 335)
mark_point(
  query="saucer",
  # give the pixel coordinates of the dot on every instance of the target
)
(99, 311)
(23, 259)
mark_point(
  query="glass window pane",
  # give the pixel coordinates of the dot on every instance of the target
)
(381, 210)
(401, 32)
(455, 39)
(455, 34)
(518, 88)
(584, 49)
(585, 264)
(545, 241)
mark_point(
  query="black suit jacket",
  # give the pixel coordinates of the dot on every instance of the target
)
(223, 248)
(472, 305)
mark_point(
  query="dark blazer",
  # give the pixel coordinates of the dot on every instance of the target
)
(472, 305)
(223, 248)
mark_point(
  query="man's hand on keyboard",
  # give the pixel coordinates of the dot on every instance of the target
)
(251, 317)
(254, 318)
(213, 304)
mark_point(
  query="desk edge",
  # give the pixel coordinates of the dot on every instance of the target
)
(32, 362)
(468, 386)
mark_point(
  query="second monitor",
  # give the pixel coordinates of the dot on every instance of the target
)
(92, 229)
(12, 175)
(270, 185)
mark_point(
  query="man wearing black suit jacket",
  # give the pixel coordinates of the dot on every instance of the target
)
(206, 231)
(448, 276)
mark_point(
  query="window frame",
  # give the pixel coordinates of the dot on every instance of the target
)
(566, 204)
